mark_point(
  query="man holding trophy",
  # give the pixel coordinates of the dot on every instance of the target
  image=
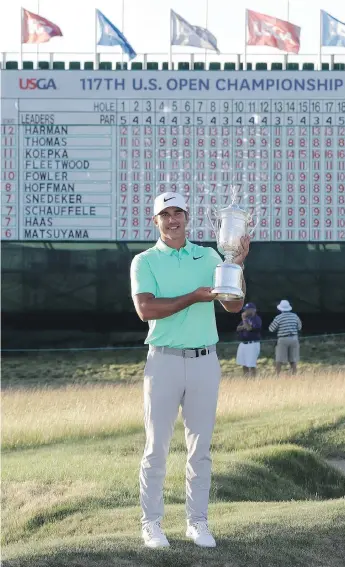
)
(174, 285)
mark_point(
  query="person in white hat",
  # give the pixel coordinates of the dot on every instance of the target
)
(172, 290)
(287, 326)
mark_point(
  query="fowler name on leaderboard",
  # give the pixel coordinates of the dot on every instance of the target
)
(196, 84)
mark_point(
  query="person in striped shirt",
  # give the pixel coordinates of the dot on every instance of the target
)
(286, 325)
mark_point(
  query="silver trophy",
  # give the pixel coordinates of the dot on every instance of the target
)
(231, 224)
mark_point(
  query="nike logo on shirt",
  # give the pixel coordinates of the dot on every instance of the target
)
(198, 257)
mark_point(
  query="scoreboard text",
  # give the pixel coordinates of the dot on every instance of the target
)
(83, 154)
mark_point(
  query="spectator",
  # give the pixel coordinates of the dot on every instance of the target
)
(249, 335)
(287, 325)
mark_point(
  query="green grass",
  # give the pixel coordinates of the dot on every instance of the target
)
(72, 443)
(248, 534)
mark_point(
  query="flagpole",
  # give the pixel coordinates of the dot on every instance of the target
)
(245, 42)
(21, 37)
(170, 50)
(206, 28)
(288, 19)
(96, 57)
(320, 46)
(37, 44)
(123, 26)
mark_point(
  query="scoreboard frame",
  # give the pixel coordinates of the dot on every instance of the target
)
(84, 154)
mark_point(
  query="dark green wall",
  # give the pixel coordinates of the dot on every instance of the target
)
(94, 277)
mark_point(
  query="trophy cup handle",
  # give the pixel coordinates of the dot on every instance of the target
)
(215, 226)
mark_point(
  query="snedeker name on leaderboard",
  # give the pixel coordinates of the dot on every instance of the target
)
(171, 287)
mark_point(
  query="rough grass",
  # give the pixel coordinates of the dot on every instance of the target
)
(250, 412)
(318, 355)
(71, 453)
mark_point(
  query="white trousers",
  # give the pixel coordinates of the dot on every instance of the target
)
(248, 354)
(171, 381)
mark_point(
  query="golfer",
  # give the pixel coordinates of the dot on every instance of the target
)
(286, 325)
(171, 289)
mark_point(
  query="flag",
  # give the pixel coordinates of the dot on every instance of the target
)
(332, 31)
(183, 33)
(110, 35)
(266, 30)
(36, 29)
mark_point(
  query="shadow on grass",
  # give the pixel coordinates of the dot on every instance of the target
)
(291, 426)
(319, 438)
(277, 473)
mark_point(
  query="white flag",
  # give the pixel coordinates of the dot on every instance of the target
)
(183, 33)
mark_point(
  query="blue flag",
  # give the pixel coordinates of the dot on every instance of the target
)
(110, 35)
(332, 31)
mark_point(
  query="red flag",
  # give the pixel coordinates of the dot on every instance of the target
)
(265, 30)
(36, 29)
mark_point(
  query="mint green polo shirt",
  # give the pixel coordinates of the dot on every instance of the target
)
(166, 272)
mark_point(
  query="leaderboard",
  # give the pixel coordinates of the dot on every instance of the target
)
(84, 155)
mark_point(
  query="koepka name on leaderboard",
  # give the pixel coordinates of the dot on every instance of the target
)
(45, 154)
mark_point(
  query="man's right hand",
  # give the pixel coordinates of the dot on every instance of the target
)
(203, 294)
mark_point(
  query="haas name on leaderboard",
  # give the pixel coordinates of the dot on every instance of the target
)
(83, 157)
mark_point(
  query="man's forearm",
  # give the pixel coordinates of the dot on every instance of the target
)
(159, 308)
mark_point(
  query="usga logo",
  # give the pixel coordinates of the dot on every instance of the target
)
(31, 84)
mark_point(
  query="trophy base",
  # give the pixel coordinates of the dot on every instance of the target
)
(228, 294)
(228, 282)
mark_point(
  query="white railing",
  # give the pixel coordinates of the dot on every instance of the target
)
(191, 58)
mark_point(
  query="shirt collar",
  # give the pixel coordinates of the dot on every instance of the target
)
(187, 249)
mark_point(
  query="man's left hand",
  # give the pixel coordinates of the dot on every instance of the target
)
(243, 250)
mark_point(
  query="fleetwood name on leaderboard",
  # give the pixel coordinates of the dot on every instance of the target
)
(84, 155)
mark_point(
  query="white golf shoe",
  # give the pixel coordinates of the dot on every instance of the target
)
(154, 536)
(200, 534)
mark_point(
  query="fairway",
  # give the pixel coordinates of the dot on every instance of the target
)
(73, 438)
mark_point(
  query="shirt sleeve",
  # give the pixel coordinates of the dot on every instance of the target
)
(142, 278)
(274, 325)
(299, 323)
